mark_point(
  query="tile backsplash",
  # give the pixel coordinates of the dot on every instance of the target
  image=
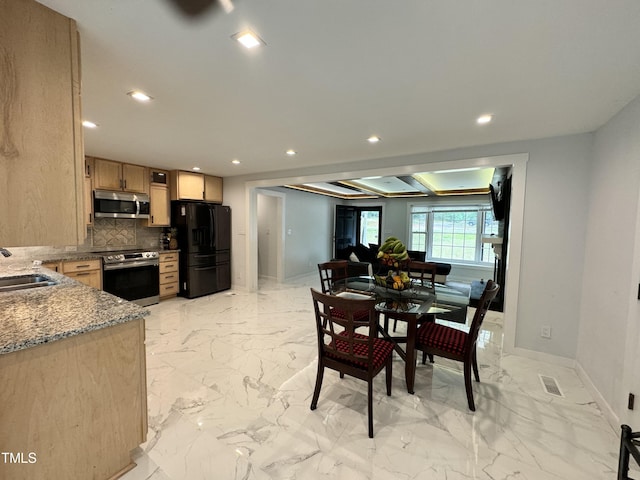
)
(113, 232)
(122, 232)
(106, 234)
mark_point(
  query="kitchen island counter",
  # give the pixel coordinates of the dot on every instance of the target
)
(73, 376)
(45, 314)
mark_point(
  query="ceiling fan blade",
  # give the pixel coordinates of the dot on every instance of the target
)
(194, 8)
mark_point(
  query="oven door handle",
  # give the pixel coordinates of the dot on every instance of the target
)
(136, 264)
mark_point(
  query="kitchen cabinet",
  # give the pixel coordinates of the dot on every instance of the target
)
(212, 189)
(187, 185)
(169, 276)
(117, 176)
(158, 177)
(159, 207)
(88, 191)
(88, 272)
(55, 266)
(79, 403)
(195, 186)
(42, 153)
(159, 214)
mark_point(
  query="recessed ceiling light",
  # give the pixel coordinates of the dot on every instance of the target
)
(484, 119)
(139, 96)
(248, 39)
(196, 169)
(235, 161)
(89, 124)
(291, 152)
(373, 139)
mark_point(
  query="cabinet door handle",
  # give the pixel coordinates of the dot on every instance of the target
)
(83, 266)
(169, 276)
(125, 183)
(151, 218)
(82, 274)
(169, 265)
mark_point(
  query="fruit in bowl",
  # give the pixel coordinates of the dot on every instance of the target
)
(394, 280)
(393, 253)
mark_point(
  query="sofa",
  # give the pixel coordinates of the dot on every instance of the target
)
(360, 259)
(363, 260)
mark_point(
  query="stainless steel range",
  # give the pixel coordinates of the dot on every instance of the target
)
(134, 276)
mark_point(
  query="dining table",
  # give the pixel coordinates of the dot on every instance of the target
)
(412, 305)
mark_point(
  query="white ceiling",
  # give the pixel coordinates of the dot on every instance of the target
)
(414, 72)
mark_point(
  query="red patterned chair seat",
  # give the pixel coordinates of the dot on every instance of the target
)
(434, 335)
(361, 316)
(381, 349)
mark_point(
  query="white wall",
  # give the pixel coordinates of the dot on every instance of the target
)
(553, 244)
(308, 229)
(608, 338)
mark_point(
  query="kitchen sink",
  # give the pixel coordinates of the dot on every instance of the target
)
(21, 282)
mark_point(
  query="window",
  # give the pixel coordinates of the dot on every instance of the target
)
(452, 234)
(370, 220)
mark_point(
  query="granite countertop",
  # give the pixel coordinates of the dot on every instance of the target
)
(65, 256)
(45, 314)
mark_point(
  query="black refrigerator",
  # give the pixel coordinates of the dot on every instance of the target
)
(204, 240)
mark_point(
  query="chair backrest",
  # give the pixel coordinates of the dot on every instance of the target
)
(489, 293)
(332, 273)
(337, 332)
(425, 272)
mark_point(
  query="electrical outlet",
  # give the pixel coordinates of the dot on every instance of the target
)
(545, 331)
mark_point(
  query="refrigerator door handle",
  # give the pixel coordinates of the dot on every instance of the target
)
(211, 230)
(199, 269)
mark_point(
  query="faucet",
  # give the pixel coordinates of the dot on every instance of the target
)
(5, 252)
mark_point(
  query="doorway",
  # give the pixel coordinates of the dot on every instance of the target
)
(354, 225)
(270, 235)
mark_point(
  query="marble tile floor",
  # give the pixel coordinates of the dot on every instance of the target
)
(230, 378)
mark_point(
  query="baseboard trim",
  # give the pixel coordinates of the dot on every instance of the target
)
(603, 405)
(542, 357)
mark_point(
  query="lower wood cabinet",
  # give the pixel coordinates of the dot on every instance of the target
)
(78, 403)
(169, 276)
(88, 272)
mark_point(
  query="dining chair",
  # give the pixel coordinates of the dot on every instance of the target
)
(443, 341)
(340, 348)
(423, 274)
(333, 275)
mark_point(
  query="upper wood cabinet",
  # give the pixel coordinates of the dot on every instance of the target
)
(195, 186)
(111, 175)
(212, 189)
(187, 185)
(159, 215)
(159, 202)
(41, 151)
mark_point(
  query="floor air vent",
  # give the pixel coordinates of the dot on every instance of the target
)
(550, 386)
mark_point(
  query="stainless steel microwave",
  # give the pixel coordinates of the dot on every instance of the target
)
(120, 204)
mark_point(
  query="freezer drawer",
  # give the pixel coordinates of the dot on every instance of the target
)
(205, 279)
(203, 259)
